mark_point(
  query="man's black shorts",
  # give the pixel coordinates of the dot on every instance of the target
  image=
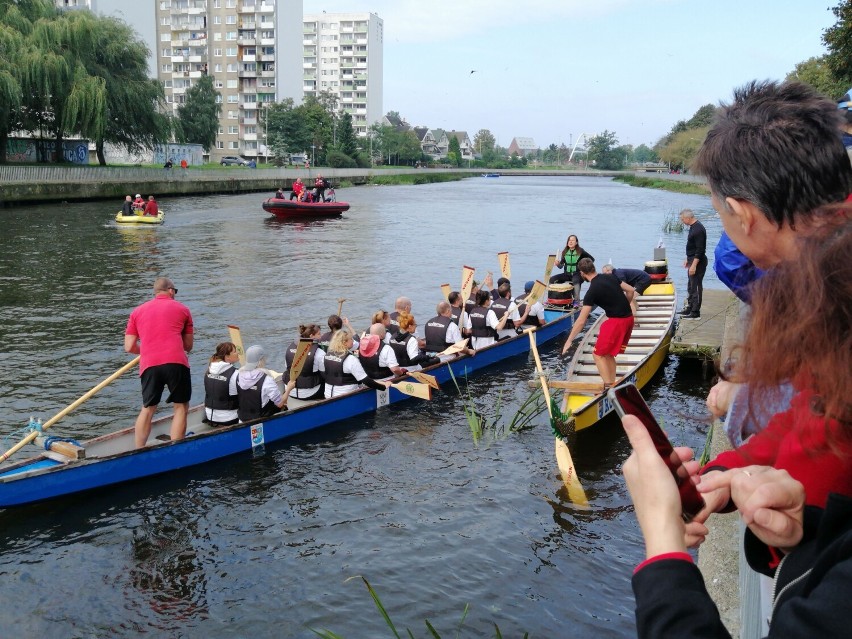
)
(175, 376)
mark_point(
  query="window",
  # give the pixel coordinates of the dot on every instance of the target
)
(232, 84)
(232, 115)
(167, 53)
(217, 19)
(221, 130)
(217, 53)
(233, 99)
(165, 5)
(230, 4)
(233, 130)
(251, 129)
(231, 52)
(217, 68)
(217, 36)
(218, 99)
(218, 84)
(167, 84)
(166, 37)
(234, 144)
(232, 68)
(166, 21)
(167, 68)
(231, 19)
(220, 144)
(231, 35)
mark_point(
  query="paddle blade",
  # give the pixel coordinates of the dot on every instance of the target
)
(569, 475)
(237, 339)
(423, 391)
(548, 269)
(537, 292)
(467, 281)
(425, 378)
(458, 347)
(505, 269)
(302, 351)
(446, 290)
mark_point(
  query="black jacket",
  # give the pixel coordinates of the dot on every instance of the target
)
(812, 590)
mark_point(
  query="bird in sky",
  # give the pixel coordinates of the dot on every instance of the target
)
(474, 71)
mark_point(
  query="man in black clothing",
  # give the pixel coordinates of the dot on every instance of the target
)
(639, 280)
(614, 298)
(696, 262)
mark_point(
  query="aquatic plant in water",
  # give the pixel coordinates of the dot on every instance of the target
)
(328, 634)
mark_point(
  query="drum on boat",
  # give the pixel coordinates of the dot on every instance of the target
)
(560, 294)
(657, 269)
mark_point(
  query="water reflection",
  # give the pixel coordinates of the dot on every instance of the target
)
(263, 545)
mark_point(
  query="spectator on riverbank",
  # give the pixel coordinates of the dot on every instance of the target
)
(792, 481)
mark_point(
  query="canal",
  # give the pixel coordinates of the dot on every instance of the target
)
(266, 546)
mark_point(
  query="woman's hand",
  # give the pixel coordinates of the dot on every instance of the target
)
(721, 396)
(715, 500)
(653, 491)
(771, 503)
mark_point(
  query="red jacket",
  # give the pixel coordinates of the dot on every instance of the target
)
(151, 208)
(795, 441)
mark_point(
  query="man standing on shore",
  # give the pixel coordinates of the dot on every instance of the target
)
(696, 263)
(161, 332)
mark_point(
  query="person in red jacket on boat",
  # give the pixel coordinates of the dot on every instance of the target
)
(151, 208)
(296, 190)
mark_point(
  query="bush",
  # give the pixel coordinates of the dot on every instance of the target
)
(363, 160)
(338, 160)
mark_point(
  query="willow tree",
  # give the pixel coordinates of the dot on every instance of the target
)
(198, 117)
(133, 117)
(16, 25)
(62, 85)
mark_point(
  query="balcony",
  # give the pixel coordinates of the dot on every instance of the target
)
(195, 58)
(249, 58)
(247, 9)
(248, 120)
(251, 107)
(245, 40)
(267, 58)
(268, 74)
(249, 136)
(248, 74)
(267, 41)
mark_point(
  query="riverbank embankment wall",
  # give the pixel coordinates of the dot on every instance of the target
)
(21, 185)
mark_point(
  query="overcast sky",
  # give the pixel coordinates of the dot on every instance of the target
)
(553, 69)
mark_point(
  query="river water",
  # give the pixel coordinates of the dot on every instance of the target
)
(266, 546)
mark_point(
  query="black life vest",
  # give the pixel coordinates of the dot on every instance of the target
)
(456, 311)
(216, 390)
(399, 344)
(500, 307)
(393, 329)
(334, 375)
(479, 327)
(307, 378)
(371, 365)
(324, 340)
(436, 334)
(532, 320)
(249, 402)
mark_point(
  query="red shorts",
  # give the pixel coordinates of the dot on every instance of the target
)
(614, 335)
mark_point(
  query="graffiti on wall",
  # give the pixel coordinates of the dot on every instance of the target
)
(192, 153)
(28, 150)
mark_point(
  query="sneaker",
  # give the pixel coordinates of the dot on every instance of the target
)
(685, 311)
(691, 316)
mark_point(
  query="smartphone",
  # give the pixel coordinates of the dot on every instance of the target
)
(627, 400)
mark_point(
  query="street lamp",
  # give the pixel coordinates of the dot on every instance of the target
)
(313, 155)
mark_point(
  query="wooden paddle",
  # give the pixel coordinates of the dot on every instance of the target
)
(423, 391)
(302, 350)
(446, 290)
(466, 288)
(505, 269)
(340, 301)
(458, 347)
(425, 378)
(548, 269)
(563, 455)
(537, 292)
(237, 339)
(83, 398)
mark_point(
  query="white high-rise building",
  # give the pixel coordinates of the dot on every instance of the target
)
(343, 55)
(251, 48)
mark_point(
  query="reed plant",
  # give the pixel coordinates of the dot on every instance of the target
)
(672, 223)
(495, 424)
(328, 634)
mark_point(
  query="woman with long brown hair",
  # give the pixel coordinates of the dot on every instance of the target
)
(790, 482)
(569, 257)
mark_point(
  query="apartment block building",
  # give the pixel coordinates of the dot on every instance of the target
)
(342, 54)
(251, 48)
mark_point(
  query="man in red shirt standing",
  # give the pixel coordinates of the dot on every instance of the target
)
(161, 331)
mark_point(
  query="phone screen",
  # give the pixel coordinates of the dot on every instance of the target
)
(628, 401)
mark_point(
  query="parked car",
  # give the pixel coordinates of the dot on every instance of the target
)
(230, 160)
